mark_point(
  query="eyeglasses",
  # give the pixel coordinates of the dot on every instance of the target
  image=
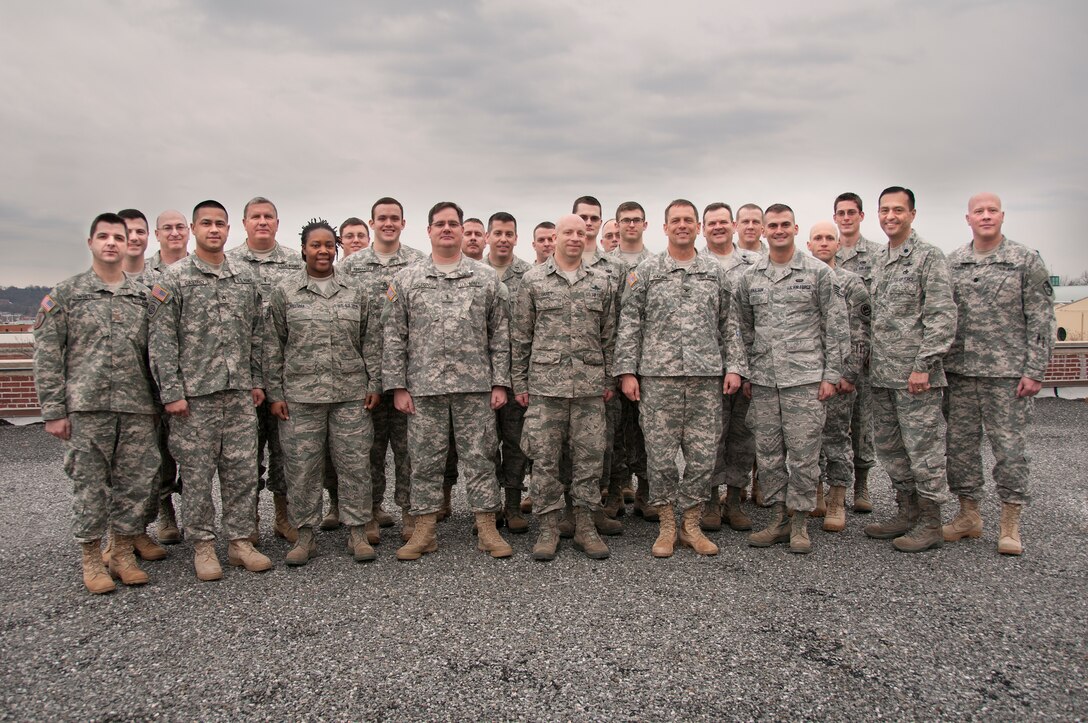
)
(446, 224)
(630, 221)
(589, 219)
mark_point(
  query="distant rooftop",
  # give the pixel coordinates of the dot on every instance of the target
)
(1069, 294)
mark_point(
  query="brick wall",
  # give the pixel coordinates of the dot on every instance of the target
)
(18, 397)
(1068, 366)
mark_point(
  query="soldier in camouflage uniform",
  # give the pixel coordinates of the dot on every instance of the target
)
(94, 386)
(543, 241)
(736, 447)
(859, 255)
(374, 267)
(323, 369)
(788, 340)
(1004, 337)
(447, 361)
(271, 263)
(205, 347)
(672, 335)
(502, 236)
(562, 338)
(172, 233)
(913, 324)
(836, 456)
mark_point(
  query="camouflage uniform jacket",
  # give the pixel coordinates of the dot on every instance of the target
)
(323, 349)
(612, 267)
(860, 258)
(914, 315)
(446, 333)
(90, 348)
(562, 334)
(790, 329)
(617, 254)
(512, 275)
(1006, 313)
(155, 263)
(673, 322)
(735, 263)
(860, 313)
(206, 330)
(368, 270)
(281, 265)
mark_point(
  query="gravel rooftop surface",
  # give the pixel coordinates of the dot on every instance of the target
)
(853, 631)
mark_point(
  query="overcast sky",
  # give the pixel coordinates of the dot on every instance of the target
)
(523, 106)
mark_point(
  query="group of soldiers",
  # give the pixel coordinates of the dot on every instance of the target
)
(746, 362)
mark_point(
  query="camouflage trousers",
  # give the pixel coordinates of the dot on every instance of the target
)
(113, 465)
(908, 434)
(167, 482)
(977, 403)
(511, 462)
(219, 435)
(836, 454)
(341, 431)
(680, 414)
(787, 423)
(557, 424)
(473, 423)
(861, 424)
(268, 435)
(613, 443)
(736, 446)
(390, 430)
(634, 443)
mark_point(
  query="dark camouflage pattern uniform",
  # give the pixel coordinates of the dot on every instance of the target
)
(509, 419)
(629, 445)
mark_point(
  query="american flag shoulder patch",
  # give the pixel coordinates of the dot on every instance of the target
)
(632, 278)
(391, 293)
(48, 304)
(159, 294)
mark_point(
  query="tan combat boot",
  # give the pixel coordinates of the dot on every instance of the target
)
(799, 542)
(642, 496)
(966, 523)
(526, 505)
(734, 513)
(242, 553)
(123, 563)
(489, 539)
(628, 494)
(515, 521)
(305, 547)
(691, 535)
(585, 534)
(566, 520)
(820, 509)
(373, 532)
(605, 524)
(147, 548)
(383, 518)
(95, 578)
(776, 532)
(547, 542)
(835, 519)
(205, 561)
(862, 503)
(926, 533)
(757, 492)
(902, 522)
(1008, 539)
(423, 538)
(447, 503)
(331, 520)
(359, 545)
(167, 529)
(408, 524)
(666, 532)
(108, 549)
(712, 512)
(283, 527)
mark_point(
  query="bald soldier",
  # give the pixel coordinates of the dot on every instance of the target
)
(172, 233)
(1004, 337)
(610, 235)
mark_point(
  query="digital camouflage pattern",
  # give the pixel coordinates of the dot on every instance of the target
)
(914, 315)
(551, 424)
(909, 436)
(788, 423)
(372, 274)
(282, 264)
(860, 259)
(616, 270)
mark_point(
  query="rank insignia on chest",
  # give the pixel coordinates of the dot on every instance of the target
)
(391, 293)
(632, 278)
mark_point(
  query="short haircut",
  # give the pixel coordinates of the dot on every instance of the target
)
(107, 218)
(899, 189)
(588, 200)
(630, 206)
(718, 206)
(259, 201)
(750, 207)
(544, 224)
(502, 217)
(209, 204)
(473, 219)
(352, 221)
(442, 206)
(386, 201)
(680, 202)
(780, 208)
(131, 214)
(848, 196)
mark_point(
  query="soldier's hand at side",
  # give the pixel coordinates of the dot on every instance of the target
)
(845, 387)
(402, 401)
(918, 382)
(258, 396)
(746, 389)
(629, 387)
(180, 408)
(1028, 387)
(732, 383)
(827, 390)
(522, 399)
(608, 394)
(498, 397)
(59, 428)
(279, 410)
(372, 400)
